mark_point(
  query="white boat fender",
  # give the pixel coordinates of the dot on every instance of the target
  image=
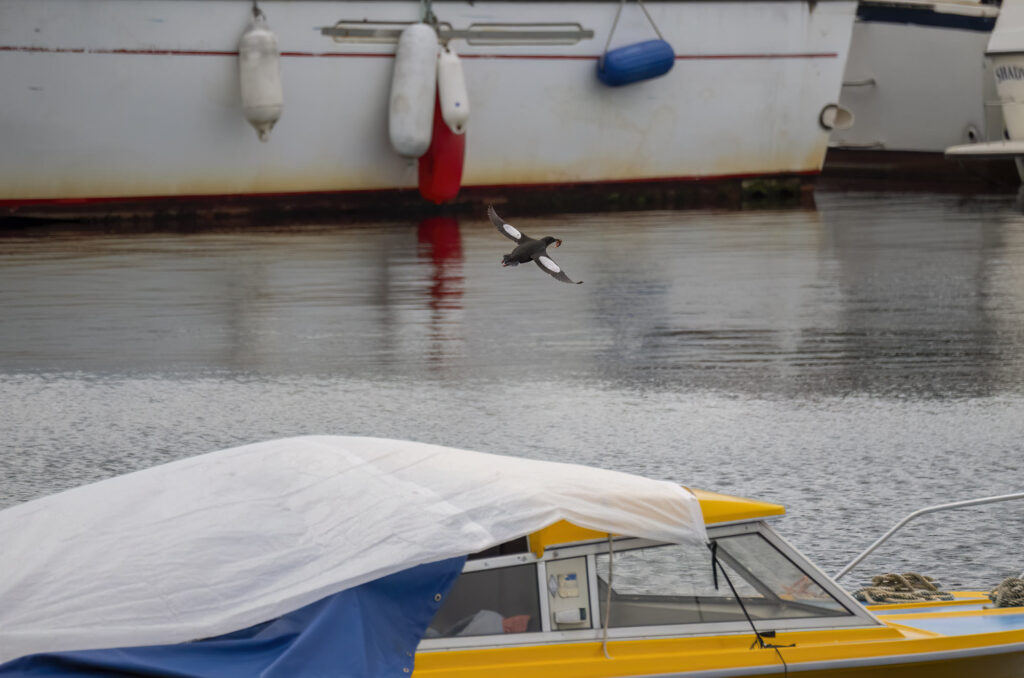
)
(259, 70)
(451, 90)
(413, 86)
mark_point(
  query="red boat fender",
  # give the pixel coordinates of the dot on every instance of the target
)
(440, 167)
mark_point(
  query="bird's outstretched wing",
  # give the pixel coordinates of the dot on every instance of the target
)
(548, 265)
(507, 230)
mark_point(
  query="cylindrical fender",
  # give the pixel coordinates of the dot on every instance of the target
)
(259, 71)
(636, 62)
(440, 168)
(451, 90)
(411, 110)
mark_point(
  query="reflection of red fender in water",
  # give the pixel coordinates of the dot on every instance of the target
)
(441, 166)
(440, 238)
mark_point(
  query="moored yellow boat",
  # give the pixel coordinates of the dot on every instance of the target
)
(666, 618)
(333, 555)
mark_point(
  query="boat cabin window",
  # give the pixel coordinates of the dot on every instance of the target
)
(672, 584)
(490, 602)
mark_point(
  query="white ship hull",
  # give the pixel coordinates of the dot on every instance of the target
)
(1005, 57)
(112, 100)
(917, 81)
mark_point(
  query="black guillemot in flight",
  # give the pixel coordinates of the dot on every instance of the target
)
(528, 249)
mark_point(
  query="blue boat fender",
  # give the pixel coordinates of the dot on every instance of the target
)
(636, 62)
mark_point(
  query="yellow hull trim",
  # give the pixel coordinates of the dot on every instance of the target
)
(894, 650)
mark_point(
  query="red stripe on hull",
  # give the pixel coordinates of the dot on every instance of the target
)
(372, 55)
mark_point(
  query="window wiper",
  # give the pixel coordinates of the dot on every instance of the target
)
(759, 636)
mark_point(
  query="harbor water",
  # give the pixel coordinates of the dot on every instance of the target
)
(855, 362)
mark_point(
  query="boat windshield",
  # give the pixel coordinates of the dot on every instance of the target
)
(670, 584)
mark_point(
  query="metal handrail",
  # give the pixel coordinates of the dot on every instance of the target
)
(921, 512)
(566, 33)
(866, 82)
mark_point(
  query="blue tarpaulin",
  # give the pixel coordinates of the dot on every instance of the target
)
(368, 631)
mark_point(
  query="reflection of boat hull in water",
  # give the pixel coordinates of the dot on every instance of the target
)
(359, 544)
(909, 108)
(99, 112)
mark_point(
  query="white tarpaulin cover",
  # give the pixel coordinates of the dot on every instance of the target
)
(219, 542)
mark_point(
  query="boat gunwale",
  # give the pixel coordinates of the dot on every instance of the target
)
(969, 646)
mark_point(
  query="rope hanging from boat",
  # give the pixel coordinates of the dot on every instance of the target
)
(427, 12)
(909, 587)
(615, 23)
(1009, 593)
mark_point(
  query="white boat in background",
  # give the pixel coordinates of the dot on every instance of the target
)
(917, 82)
(112, 106)
(1005, 54)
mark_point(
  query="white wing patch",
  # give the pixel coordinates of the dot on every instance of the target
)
(549, 264)
(512, 231)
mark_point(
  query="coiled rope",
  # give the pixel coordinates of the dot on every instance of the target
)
(1009, 593)
(909, 587)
